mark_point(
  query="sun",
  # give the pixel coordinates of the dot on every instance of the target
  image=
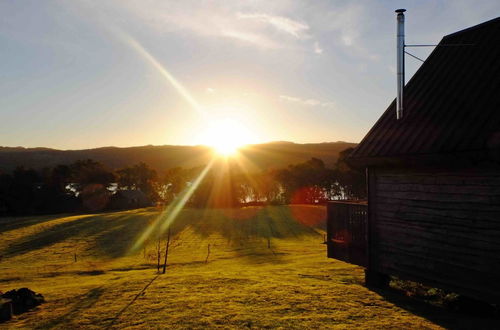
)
(226, 136)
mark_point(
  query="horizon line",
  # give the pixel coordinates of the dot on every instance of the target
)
(169, 145)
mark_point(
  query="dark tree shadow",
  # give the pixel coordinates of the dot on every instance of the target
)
(250, 231)
(117, 316)
(109, 235)
(436, 314)
(252, 235)
(12, 223)
(55, 234)
(267, 222)
(84, 302)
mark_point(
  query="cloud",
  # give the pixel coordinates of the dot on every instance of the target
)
(317, 48)
(252, 38)
(254, 23)
(306, 102)
(347, 25)
(347, 40)
(290, 98)
(299, 26)
(281, 23)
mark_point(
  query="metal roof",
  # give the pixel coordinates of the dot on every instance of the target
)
(452, 103)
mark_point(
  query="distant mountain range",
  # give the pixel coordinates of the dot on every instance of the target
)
(267, 155)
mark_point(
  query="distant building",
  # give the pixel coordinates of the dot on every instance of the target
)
(129, 199)
(433, 212)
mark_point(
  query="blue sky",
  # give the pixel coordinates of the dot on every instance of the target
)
(82, 74)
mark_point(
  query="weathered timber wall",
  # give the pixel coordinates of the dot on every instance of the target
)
(438, 227)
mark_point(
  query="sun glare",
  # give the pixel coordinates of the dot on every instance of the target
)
(226, 136)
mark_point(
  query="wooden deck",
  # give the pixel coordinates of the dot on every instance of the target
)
(347, 231)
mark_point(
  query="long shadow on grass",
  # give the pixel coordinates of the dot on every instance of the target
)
(438, 315)
(251, 231)
(84, 301)
(263, 223)
(117, 316)
(12, 223)
(107, 235)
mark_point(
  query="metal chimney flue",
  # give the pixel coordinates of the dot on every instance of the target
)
(400, 45)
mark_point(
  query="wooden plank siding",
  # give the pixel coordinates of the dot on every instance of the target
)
(438, 227)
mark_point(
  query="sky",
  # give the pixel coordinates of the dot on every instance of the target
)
(83, 74)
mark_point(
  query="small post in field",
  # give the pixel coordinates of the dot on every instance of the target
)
(158, 255)
(208, 253)
(166, 252)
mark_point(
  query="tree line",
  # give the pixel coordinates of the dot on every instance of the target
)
(87, 185)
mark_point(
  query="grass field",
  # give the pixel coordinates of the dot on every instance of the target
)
(266, 268)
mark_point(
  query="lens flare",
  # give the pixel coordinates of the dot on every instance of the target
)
(167, 217)
(135, 45)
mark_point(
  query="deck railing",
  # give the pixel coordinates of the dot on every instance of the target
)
(347, 231)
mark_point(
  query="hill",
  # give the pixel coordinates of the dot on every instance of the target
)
(267, 155)
(266, 269)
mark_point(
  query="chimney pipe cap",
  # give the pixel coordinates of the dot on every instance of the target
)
(400, 11)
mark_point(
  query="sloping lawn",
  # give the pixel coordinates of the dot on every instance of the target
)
(266, 268)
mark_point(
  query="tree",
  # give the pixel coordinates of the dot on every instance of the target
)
(91, 181)
(23, 189)
(60, 177)
(138, 177)
(89, 172)
(221, 187)
(5, 193)
(53, 195)
(305, 182)
(352, 181)
(174, 181)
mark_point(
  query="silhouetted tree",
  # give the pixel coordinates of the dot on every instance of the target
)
(221, 187)
(174, 181)
(5, 193)
(53, 194)
(306, 182)
(91, 181)
(351, 181)
(139, 177)
(19, 191)
(87, 184)
(89, 172)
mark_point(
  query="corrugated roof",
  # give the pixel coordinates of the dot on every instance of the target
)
(451, 104)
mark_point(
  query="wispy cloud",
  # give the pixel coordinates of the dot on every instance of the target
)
(347, 25)
(317, 48)
(254, 23)
(252, 38)
(308, 102)
(281, 23)
(289, 98)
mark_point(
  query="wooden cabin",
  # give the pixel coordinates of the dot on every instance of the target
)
(433, 176)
